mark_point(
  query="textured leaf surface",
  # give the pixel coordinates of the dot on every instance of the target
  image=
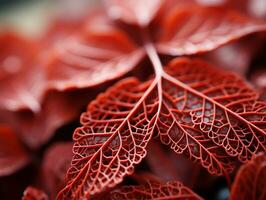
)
(196, 29)
(21, 82)
(156, 191)
(98, 53)
(56, 161)
(32, 193)
(115, 132)
(139, 12)
(211, 116)
(12, 154)
(250, 180)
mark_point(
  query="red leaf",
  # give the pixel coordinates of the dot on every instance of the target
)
(103, 50)
(56, 161)
(99, 53)
(195, 29)
(138, 12)
(13, 155)
(250, 180)
(154, 190)
(21, 82)
(110, 141)
(32, 193)
(35, 129)
(211, 116)
(208, 112)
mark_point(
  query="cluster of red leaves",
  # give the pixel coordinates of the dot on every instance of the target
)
(197, 110)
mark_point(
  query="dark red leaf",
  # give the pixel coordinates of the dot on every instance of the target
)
(35, 129)
(13, 155)
(32, 193)
(154, 190)
(195, 29)
(56, 161)
(250, 180)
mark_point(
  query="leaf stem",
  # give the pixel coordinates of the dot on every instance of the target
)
(152, 54)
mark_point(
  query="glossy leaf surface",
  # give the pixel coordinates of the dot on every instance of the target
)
(195, 29)
(98, 53)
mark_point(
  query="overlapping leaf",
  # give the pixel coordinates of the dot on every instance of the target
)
(103, 50)
(211, 116)
(193, 29)
(250, 180)
(113, 138)
(57, 109)
(56, 161)
(154, 190)
(13, 155)
(98, 53)
(21, 82)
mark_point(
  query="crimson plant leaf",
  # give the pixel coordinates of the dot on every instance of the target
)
(154, 190)
(250, 180)
(97, 53)
(21, 83)
(32, 193)
(57, 109)
(212, 113)
(211, 116)
(56, 161)
(194, 29)
(103, 50)
(13, 155)
(138, 12)
(115, 132)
